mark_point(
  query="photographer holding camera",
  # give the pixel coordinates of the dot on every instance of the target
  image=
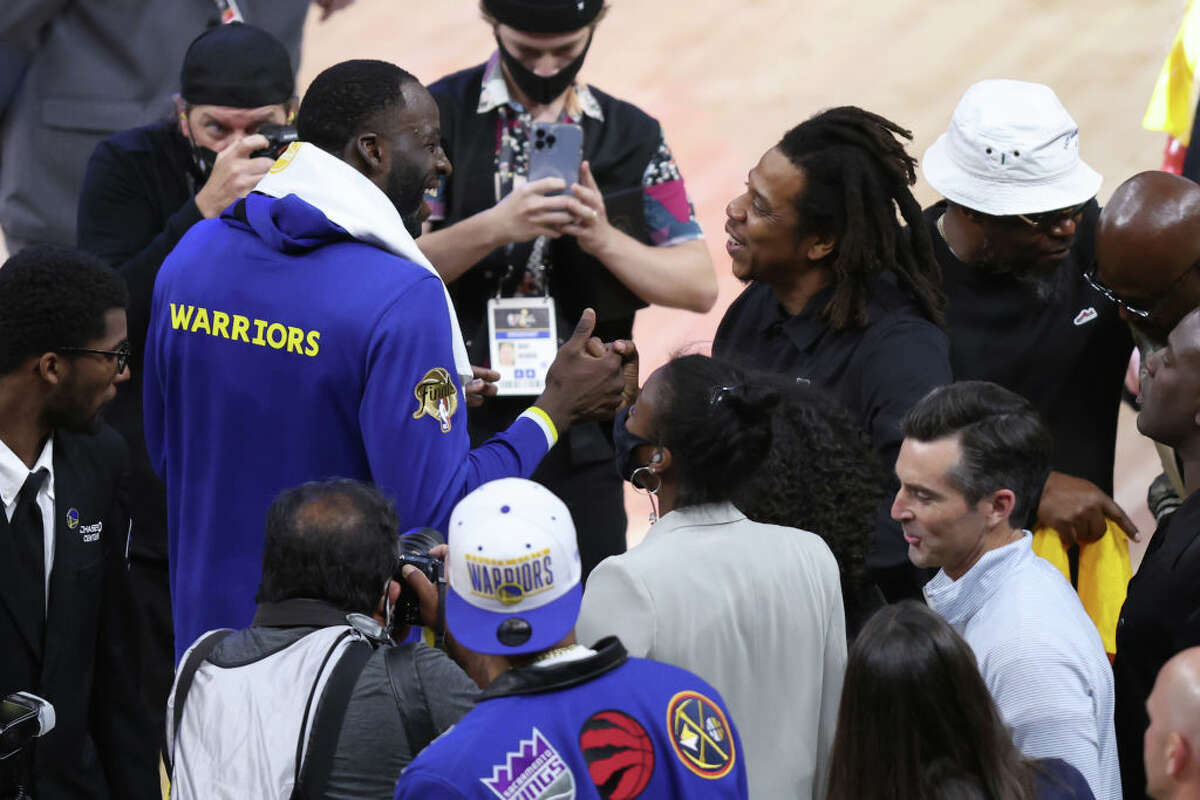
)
(144, 189)
(317, 673)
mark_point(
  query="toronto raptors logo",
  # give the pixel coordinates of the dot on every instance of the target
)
(619, 754)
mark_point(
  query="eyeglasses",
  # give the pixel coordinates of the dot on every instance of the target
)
(1093, 279)
(121, 354)
(1046, 220)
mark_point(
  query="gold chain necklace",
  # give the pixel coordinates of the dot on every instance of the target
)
(555, 653)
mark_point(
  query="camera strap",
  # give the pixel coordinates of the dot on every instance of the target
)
(183, 684)
(313, 776)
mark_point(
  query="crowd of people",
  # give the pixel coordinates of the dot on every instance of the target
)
(357, 528)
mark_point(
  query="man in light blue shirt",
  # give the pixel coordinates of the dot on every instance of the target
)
(974, 459)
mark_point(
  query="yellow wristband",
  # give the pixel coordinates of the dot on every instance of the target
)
(548, 426)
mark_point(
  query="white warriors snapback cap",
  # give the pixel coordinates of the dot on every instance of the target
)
(1011, 148)
(513, 569)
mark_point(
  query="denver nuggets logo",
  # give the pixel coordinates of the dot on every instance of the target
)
(72, 518)
(286, 159)
(436, 397)
(700, 735)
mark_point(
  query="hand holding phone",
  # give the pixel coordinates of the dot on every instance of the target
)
(555, 149)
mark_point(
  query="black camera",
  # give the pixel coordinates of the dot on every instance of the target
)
(412, 549)
(278, 139)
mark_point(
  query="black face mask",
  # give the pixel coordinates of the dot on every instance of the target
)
(542, 89)
(625, 442)
(203, 159)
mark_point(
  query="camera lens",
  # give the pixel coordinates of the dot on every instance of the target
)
(540, 133)
(550, 139)
(539, 144)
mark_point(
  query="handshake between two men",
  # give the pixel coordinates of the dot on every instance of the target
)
(589, 379)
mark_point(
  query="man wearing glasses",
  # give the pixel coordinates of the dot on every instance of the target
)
(1014, 238)
(1148, 265)
(65, 604)
(1148, 253)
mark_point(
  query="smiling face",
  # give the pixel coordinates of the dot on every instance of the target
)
(941, 527)
(762, 222)
(414, 161)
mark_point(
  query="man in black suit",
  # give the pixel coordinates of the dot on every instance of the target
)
(1161, 615)
(64, 599)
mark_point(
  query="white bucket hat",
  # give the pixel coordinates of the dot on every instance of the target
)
(1012, 148)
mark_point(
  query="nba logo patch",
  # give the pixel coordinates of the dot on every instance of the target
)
(619, 754)
(72, 518)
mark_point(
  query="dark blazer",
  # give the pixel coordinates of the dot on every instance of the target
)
(1160, 617)
(87, 666)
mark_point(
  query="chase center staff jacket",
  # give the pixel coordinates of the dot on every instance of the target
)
(281, 350)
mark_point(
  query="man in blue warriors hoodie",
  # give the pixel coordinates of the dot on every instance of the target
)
(302, 335)
(557, 720)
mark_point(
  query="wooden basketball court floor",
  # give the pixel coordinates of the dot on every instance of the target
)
(726, 79)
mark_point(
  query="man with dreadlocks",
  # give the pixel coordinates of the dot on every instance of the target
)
(1014, 238)
(841, 296)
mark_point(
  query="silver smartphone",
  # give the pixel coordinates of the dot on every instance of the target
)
(555, 150)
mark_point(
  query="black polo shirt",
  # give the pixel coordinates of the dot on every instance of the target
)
(1067, 355)
(1161, 617)
(877, 372)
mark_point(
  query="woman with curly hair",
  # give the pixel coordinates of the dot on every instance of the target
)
(917, 722)
(754, 609)
(821, 476)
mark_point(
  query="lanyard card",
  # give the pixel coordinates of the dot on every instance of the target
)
(523, 342)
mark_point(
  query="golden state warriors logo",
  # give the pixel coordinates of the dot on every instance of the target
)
(700, 735)
(72, 518)
(436, 397)
(285, 160)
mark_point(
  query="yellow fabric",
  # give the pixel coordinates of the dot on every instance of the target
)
(546, 418)
(1104, 573)
(1173, 103)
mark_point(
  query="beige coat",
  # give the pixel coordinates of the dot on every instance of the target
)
(755, 610)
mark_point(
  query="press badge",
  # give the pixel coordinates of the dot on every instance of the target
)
(523, 340)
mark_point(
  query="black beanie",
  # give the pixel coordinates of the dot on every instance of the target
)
(236, 65)
(544, 16)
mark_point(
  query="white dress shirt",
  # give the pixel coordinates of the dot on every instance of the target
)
(755, 610)
(1040, 656)
(13, 474)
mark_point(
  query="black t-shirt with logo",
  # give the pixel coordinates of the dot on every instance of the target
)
(1066, 355)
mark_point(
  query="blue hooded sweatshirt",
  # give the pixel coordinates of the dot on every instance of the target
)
(281, 351)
